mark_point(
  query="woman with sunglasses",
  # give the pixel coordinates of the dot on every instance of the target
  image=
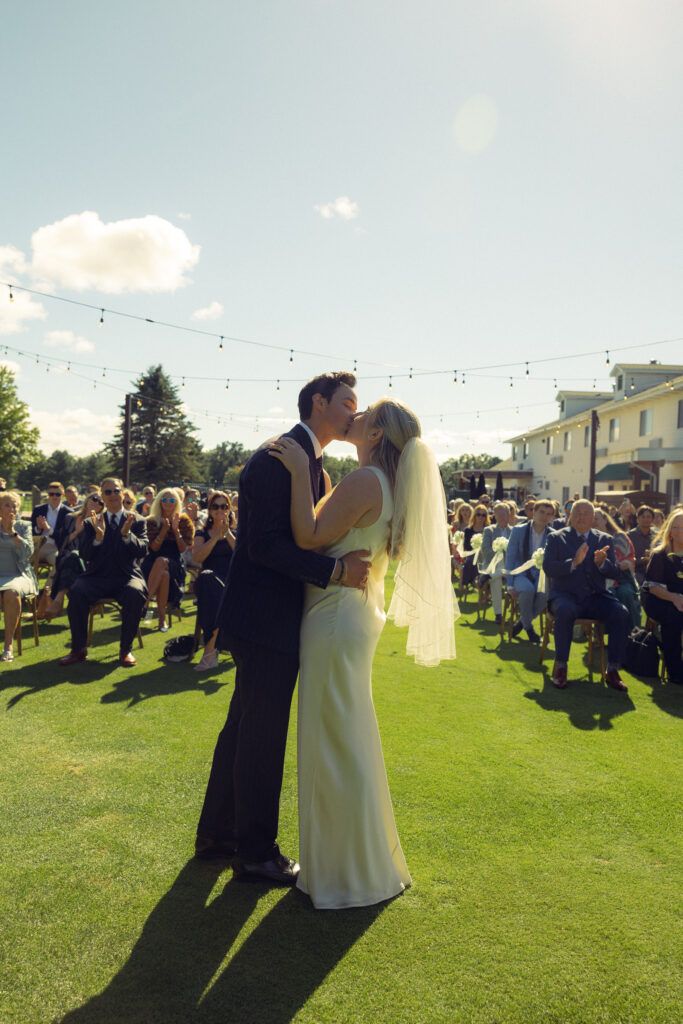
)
(213, 547)
(170, 532)
(70, 565)
(480, 519)
(17, 578)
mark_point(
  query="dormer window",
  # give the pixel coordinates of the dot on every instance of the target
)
(562, 405)
(620, 382)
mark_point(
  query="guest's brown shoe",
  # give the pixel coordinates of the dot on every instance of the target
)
(127, 660)
(614, 680)
(73, 657)
(559, 678)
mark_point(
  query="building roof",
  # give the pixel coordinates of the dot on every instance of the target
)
(676, 368)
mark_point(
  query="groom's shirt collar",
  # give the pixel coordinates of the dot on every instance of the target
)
(316, 443)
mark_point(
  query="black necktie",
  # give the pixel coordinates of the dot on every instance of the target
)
(317, 482)
(113, 522)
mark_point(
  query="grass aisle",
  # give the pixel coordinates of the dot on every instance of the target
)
(542, 830)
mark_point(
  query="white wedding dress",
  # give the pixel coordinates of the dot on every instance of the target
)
(349, 849)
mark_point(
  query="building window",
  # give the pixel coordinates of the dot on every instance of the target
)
(565, 495)
(680, 413)
(514, 453)
(562, 405)
(645, 422)
(547, 485)
(549, 445)
(586, 438)
(673, 489)
(620, 382)
(567, 440)
(585, 491)
(525, 453)
(614, 429)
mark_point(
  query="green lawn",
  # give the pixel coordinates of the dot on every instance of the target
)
(542, 830)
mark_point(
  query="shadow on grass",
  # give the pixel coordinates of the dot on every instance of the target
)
(185, 941)
(668, 699)
(48, 674)
(166, 680)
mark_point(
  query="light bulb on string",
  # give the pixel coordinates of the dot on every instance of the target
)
(183, 383)
(390, 384)
(104, 372)
(527, 369)
(227, 385)
(633, 387)
(11, 297)
(355, 366)
(291, 357)
(410, 375)
(277, 383)
(220, 344)
(462, 380)
(455, 376)
(68, 367)
(37, 361)
(593, 385)
(511, 384)
(101, 318)
(606, 357)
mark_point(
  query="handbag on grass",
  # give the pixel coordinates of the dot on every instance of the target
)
(642, 653)
(180, 648)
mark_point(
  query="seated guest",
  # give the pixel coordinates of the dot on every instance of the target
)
(663, 588)
(213, 547)
(70, 565)
(529, 508)
(524, 540)
(514, 514)
(626, 517)
(111, 546)
(71, 497)
(463, 517)
(658, 521)
(191, 507)
(499, 528)
(49, 521)
(480, 519)
(625, 589)
(170, 533)
(17, 578)
(578, 561)
(641, 537)
(145, 502)
(128, 499)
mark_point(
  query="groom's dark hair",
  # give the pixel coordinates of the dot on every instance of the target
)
(326, 385)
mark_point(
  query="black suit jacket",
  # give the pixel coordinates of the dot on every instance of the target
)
(116, 557)
(586, 578)
(60, 528)
(263, 598)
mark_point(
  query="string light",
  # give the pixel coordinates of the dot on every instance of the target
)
(633, 387)
(227, 385)
(68, 367)
(220, 344)
(511, 384)
(607, 357)
(527, 369)
(104, 373)
(11, 297)
(278, 385)
(183, 383)
(291, 355)
(410, 375)
(390, 384)
(101, 318)
(355, 366)
(455, 376)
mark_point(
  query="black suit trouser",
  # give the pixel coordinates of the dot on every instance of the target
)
(243, 793)
(671, 622)
(567, 607)
(88, 590)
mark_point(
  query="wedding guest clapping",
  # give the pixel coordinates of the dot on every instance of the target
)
(70, 564)
(212, 550)
(479, 521)
(625, 589)
(664, 592)
(525, 539)
(17, 578)
(170, 533)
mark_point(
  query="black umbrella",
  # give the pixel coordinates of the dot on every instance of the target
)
(481, 486)
(498, 493)
(473, 487)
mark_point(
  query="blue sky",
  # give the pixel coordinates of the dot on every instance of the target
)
(436, 185)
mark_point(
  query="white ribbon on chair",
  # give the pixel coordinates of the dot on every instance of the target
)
(535, 562)
(497, 563)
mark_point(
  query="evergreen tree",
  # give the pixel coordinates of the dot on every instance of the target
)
(18, 439)
(162, 445)
(224, 463)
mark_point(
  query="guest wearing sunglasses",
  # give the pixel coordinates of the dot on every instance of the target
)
(213, 547)
(480, 519)
(128, 499)
(70, 564)
(112, 545)
(170, 532)
(50, 520)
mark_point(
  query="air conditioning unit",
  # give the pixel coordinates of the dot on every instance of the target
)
(657, 442)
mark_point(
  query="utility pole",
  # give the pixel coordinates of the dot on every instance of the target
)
(595, 424)
(126, 440)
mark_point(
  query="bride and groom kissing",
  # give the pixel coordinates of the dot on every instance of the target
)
(305, 596)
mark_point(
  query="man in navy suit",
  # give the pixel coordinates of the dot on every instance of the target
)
(259, 620)
(50, 520)
(112, 546)
(524, 540)
(578, 560)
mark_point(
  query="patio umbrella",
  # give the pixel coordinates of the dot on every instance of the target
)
(498, 493)
(481, 486)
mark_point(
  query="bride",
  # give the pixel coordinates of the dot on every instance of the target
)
(393, 505)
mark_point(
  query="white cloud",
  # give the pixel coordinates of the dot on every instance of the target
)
(80, 431)
(210, 312)
(13, 367)
(12, 261)
(146, 254)
(476, 123)
(342, 207)
(185, 216)
(68, 341)
(23, 306)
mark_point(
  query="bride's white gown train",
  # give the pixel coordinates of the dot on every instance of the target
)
(349, 849)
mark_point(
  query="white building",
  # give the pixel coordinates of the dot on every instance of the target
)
(639, 440)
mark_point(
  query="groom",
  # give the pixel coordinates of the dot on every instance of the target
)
(260, 617)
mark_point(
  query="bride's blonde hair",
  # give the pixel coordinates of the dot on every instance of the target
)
(398, 424)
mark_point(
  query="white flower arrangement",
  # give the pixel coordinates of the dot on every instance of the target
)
(458, 537)
(500, 544)
(475, 541)
(538, 558)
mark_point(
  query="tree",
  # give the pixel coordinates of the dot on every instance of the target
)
(337, 468)
(452, 469)
(162, 442)
(18, 439)
(224, 463)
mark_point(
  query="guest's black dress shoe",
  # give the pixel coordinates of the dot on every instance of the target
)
(280, 870)
(517, 628)
(533, 636)
(214, 849)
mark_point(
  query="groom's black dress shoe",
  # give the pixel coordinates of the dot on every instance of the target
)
(280, 870)
(214, 849)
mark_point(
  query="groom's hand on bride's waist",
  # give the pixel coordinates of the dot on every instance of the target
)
(356, 569)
